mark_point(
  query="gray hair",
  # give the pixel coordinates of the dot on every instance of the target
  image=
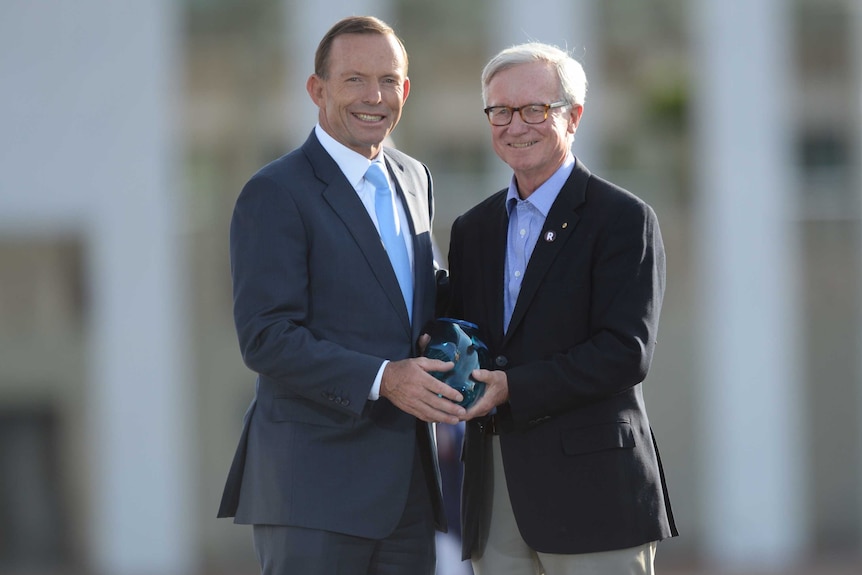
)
(573, 80)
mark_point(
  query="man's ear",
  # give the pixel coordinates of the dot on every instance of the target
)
(314, 86)
(406, 90)
(575, 117)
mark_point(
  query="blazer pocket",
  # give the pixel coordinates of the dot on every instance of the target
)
(301, 410)
(618, 435)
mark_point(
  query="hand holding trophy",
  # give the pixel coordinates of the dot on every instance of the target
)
(455, 340)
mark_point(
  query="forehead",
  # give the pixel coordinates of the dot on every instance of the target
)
(535, 82)
(366, 53)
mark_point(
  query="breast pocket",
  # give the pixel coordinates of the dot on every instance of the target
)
(595, 438)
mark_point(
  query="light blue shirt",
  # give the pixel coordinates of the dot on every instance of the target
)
(354, 166)
(526, 220)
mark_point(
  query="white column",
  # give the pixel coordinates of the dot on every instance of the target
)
(306, 23)
(856, 14)
(567, 24)
(751, 418)
(143, 416)
(89, 149)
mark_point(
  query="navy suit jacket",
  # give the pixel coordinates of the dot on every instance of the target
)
(317, 309)
(581, 463)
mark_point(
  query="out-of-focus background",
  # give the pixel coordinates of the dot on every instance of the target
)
(128, 128)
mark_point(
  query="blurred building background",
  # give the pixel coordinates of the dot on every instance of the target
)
(128, 129)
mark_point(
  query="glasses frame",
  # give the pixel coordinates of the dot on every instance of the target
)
(519, 109)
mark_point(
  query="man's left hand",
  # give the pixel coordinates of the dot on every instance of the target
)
(496, 392)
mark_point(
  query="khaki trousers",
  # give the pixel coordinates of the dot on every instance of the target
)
(506, 553)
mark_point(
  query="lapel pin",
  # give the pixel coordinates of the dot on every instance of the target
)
(565, 225)
(550, 236)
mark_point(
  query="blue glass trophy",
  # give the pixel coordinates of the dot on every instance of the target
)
(455, 340)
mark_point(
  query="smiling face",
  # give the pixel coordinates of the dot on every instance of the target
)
(361, 97)
(533, 151)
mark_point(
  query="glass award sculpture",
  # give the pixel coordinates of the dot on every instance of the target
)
(455, 340)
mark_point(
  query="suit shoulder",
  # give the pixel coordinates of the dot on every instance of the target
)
(486, 207)
(292, 171)
(403, 158)
(277, 181)
(610, 190)
(601, 192)
(407, 164)
(287, 164)
(413, 174)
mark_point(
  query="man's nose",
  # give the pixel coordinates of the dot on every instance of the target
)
(373, 94)
(518, 124)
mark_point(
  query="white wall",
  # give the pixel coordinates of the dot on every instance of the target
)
(88, 147)
(750, 419)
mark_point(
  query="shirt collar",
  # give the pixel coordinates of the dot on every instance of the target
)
(353, 165)
(545, 195)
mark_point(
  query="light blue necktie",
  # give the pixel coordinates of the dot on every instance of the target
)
(394, 242)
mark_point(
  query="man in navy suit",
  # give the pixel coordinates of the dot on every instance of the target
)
(564, 273)
(336, 468)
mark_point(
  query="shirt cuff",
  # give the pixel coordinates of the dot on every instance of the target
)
(374, 394)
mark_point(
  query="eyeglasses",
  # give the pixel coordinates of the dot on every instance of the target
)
(530, 113)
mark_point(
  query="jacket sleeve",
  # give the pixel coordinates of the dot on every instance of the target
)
(269, 249)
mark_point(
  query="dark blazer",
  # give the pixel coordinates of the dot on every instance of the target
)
(317, 309)
(581, 463)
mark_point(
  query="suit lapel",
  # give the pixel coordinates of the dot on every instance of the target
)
(495, 247)
(559, 226)
(406, 187)
(345, 203)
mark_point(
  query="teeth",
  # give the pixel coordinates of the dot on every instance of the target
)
(523, 145)
(369, 117)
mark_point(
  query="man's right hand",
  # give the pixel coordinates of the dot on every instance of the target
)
(409, 386)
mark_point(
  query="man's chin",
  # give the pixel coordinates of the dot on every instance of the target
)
(372, 135)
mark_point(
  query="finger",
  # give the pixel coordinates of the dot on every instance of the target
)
(446, 416)
(438, 410)
(442, 417)
(440, 389)
(449, 408)
(431, 399)
(482, 375)
(423, 342)
(479, 409)
(428, 364)
(443, 405)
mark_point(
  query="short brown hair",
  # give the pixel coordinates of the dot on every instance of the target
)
(352, 25)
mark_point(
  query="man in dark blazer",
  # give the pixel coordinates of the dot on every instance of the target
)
(564, 273)
(336, 467)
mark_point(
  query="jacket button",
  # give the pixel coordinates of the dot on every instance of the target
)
(501, 361)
